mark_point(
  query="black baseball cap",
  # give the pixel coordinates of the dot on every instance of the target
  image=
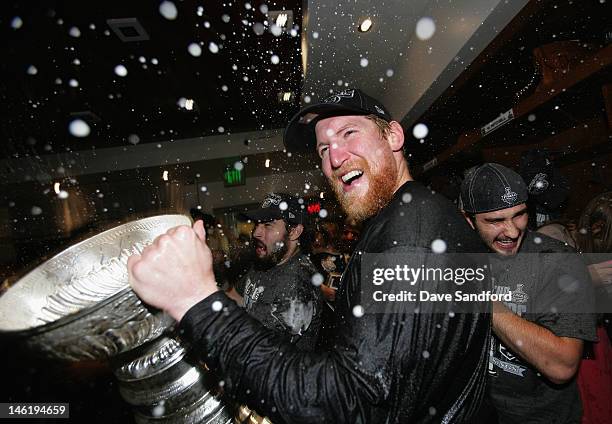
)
(300, 132)
(491, 187)
(277, 206)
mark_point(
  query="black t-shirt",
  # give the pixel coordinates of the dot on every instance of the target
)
(284, 298)
(550, 286)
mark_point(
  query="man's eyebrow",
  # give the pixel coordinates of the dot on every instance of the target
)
(346, 126)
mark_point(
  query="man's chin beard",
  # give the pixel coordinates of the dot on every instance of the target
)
(271, 259)
(380, 192)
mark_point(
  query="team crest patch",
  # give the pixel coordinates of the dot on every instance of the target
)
(272, 199)
(518, 295)
(335, 98)
(509, 196)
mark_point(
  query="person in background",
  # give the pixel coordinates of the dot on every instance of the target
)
(592, 234)
(548, 188)
(218, 242)
(330, 262)
(349, 236)
(278, 289)
(539, 334)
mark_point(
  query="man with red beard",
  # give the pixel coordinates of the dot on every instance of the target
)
(278, 289)
(539, 332)
(416, 362)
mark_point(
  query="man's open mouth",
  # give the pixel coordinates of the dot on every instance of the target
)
(351, 176)
(506, 244)
(260, 248)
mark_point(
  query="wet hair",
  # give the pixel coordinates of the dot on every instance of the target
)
(305, 239)
(597, 211)
(384, 128)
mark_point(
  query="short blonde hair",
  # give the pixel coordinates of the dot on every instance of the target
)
(384, 128)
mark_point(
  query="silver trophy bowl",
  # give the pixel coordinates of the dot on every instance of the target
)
(78, 305)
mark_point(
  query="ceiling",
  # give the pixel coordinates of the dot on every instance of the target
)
(505, 74)
(68, 65)
(63, 66)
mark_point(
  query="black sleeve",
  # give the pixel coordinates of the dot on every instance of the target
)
(353, 381)
(261, 367)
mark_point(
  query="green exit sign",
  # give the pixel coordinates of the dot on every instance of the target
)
(234, 174)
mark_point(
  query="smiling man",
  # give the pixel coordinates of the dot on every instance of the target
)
(538, 336)
(416, 363)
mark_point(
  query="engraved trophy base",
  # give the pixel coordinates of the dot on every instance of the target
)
(163, 387)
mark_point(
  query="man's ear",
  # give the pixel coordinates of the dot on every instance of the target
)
(396, 136)
(469, 218)
(296, 232)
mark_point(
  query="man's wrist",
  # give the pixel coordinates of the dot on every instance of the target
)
(178, 311)
(500, 308)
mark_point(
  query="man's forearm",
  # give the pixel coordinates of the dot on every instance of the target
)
(557, 358)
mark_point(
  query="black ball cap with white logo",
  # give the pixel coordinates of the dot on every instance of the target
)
(277, 206)
(492, 187)
(300, 132)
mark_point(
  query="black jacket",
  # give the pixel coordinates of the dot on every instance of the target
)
(399, 366)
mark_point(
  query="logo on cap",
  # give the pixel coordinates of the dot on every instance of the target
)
(335, 98)
(379, 110)
(509, 196)
(272, 199)
(538, 184)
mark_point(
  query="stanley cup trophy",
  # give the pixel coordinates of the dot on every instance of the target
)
(78, 305)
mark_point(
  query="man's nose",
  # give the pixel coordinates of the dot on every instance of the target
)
(511, 230)
(258, 231)
(338, 154)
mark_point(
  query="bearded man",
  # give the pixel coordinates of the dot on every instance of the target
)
(414, 362)
(278, 289)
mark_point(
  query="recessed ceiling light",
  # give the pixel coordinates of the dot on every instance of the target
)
(165, 176)
(128, 29)
(365, 25)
